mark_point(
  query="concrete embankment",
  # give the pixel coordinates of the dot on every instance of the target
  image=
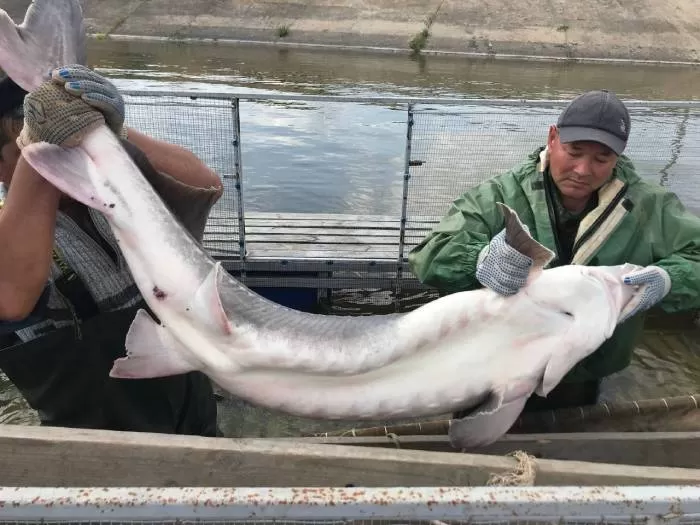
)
(647, 30)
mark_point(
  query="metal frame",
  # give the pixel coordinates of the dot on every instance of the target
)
(408, 104)
(221, 95)
(654, 504)
(238, 177)
(404, 203)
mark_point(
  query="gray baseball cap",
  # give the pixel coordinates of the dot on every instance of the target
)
(597, 116)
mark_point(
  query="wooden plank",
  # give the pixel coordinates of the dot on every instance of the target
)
(301, 262)
(331, 283)
(254, 231)
(312, 216)
(284, 266)
(315, 237)
(42, 456)
(339, 222)
(669, 449)
(321, 223)
(310, 237)
(321, 252)
(283, 230)
(298, 216)
(301, 253)
(320, 246)
(336, 224)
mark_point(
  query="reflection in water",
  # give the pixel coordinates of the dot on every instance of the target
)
(349, 157)
(350, 72)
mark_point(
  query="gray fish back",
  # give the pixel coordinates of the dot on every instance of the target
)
(243, 304)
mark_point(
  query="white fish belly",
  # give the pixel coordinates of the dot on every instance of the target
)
(447, 376)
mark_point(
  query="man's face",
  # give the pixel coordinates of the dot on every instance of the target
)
(579, 168)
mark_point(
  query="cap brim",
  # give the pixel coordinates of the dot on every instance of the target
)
(575, 134)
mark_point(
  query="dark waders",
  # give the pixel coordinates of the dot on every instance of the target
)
(66, 379)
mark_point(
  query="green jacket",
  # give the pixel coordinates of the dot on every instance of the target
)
(635, 222)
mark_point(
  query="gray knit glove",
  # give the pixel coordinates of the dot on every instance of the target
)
(501, 267)
(53, 115)
(655, 284)
(94, 89)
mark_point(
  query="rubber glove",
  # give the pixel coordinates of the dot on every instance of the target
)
(95, 90)
(53, 115)
(501, 267)
(655, 284)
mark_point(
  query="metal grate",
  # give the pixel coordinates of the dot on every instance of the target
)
(370, 506)
(205, 126)
(354, 183)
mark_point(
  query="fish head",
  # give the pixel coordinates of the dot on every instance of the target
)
(619, 294)
(52, 34)
(591, 299)
(590, 295)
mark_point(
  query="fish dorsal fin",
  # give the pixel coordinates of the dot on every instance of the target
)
(520, 239)
(207, 306)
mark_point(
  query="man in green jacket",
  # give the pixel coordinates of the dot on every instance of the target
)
(580, 197)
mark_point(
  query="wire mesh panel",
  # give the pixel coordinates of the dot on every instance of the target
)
(351, 506)
(352, 184)
(207, 127)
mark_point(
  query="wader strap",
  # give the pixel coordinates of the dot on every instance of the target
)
(74, 290)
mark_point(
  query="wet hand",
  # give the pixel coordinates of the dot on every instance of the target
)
(654, 283)
(501, 267)
(95, 90)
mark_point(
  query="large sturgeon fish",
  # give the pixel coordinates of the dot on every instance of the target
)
(473, 349)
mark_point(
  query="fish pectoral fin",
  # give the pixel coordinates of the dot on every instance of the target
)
(559, 364)
(207, 305)
(490, 420)
(72, 171)
(151, 352)
(521, 240)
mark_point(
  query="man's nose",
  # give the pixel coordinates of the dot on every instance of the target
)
(582, 168)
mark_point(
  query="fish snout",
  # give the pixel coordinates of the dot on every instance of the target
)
(611, 277)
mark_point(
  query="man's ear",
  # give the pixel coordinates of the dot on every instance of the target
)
(552, 135)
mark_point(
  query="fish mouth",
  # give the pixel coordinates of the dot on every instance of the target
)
(618, 294)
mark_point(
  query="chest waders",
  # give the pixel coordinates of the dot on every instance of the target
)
(64, 375)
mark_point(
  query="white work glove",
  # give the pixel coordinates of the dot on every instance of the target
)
(52, 115)
(501, 267)
(655, 284)
(95, 90)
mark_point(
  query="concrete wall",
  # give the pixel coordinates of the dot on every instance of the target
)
(628, 29)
